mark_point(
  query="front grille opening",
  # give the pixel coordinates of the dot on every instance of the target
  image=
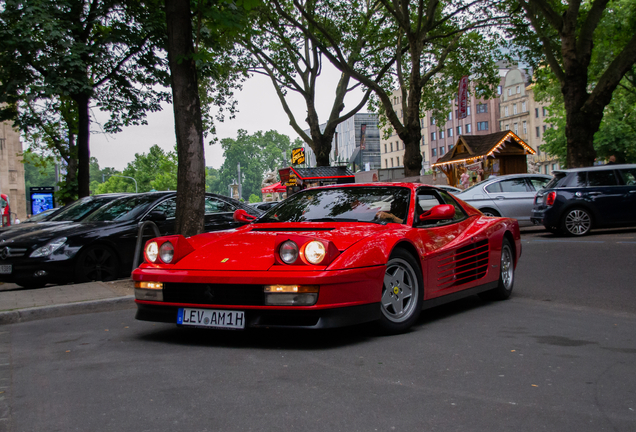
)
(218, 294)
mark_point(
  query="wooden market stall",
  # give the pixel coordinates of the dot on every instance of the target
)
(482, 156)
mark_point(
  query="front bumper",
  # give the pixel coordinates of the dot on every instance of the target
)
(276, 318)
(26, 271)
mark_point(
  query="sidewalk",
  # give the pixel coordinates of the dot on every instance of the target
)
(19, 305)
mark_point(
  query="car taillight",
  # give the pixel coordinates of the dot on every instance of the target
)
(550, 197)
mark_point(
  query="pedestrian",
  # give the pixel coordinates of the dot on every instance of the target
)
(464, 179)
(612, 160)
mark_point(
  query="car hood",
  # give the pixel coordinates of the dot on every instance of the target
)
(252, 247)
(48, 233)
(22, 229)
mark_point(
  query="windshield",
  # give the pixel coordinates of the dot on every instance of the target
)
(80, 208)
(123, 209)
(348, 204)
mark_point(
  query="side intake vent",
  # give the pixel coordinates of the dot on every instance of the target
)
(463, 265)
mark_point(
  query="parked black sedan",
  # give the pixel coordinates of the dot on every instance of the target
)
(580, 199)
(101, 246)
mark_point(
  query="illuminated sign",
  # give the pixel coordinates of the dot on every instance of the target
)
(298, 156)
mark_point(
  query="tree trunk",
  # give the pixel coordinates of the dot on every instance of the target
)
(187, 119)
(411, 134)
(83, 151)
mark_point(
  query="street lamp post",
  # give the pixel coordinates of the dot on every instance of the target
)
(114, 175)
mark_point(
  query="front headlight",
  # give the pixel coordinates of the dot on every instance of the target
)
(49, 248)
(288, 252)
(315, 252)
(152, 250)
(166, 252)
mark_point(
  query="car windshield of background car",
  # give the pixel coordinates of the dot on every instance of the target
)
(351, 204)
(46, 214)
(80, 208)
(122, 209)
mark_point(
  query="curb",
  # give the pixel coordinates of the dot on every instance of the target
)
(55, 311)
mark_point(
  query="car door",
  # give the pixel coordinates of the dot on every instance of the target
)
(605, 196)
(513, 197)
(219, 214)
(628, 176)
(169, 208)
(448, 248)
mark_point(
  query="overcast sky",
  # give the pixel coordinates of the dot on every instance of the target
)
(259, 109)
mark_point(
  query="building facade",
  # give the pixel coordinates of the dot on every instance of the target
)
(12, 170)
(356, 143)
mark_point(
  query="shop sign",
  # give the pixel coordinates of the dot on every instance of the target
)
(298, 156)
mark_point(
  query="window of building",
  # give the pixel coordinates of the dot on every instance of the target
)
(450, 147)
(536, 112)
(423, 156)
(481, 126)
(433, 136)
(469, 128)
(450, 132)
(544, 112)
(547, 169)
(544, 127)
(482, 108)
(450, 115)
(525, 128)
(468, 110)
(507, 127)
(539, 150)
(441, 134)
(515, 128)
(499, 90)
(386, 163)
(441, 151)
(384, 147)
(523, 107)
(423, 143)
(391, 162)
(459, 130)
(554, 167)
(391, 146)
(505, 111)
(422, 123)
(434, 151)
(538, 132)
(432, 121)
(514, 109)
(398, 161)
(509, 92)
(518, 89)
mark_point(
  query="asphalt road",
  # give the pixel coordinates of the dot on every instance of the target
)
(560, 355)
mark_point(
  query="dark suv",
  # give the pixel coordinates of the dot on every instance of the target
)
(579, 199)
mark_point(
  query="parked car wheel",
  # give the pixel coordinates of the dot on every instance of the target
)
(490, 212)
(576, 222)
(98, 263)
(402, 293)
(506, 275)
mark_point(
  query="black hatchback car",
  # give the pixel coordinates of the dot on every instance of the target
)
(580, 199)
(102, 245)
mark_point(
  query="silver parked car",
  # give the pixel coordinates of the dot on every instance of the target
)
(509, 195)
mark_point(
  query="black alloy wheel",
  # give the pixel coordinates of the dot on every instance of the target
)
(402, 293)
(97, 263)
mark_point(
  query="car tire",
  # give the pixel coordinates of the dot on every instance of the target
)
(402, 293)
(576, 222)
(98, 262)
(490, 212)
(506, 274)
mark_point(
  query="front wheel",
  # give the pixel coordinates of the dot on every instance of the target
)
(576, 222)
(402, 293)
(97, 263)
(506, 274)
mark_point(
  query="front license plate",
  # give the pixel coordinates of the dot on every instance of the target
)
(5, 269)
(214, 318)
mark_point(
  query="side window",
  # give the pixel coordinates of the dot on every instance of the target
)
(601, 178)
(448, 199)
(578, 180)
(425, 201)
(514, 185)
(494, 187)
(169, 207)
(538, 183)
(213, 205)
(629, 176)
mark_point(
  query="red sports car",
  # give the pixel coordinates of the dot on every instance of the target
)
(331, 256)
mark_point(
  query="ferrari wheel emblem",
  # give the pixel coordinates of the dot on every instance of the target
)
(224, 260)
(396, 290)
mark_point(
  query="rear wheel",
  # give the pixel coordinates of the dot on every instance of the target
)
(98, 263)
(506, 274)
(402, 293)
(576, 222)
(490, 212)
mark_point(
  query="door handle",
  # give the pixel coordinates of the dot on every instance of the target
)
(500, 197)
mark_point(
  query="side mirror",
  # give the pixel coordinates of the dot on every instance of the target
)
(241, 215)
(156, 216)
(439, 212)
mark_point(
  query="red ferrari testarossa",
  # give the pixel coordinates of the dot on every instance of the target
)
(328, 257)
